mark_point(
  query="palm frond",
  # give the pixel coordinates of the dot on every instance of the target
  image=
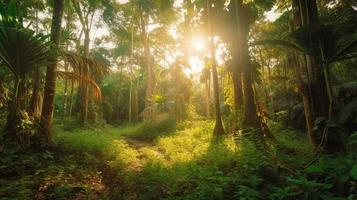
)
(80, 63)
(82, 78)
(347, 52)
(283, 43)
(21, 49)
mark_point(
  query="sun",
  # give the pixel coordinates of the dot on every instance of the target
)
(199, 44)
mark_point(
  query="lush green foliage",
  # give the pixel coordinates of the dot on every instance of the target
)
(185, 164)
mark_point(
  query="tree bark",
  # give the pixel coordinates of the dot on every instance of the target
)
(36, 98)
(149, 70)
(71, 100)
(45, 134)
(13, 109)
(218, 128)
(83, 118)
(304, 88)
(208, 97)
(135, 105)
(250, 116)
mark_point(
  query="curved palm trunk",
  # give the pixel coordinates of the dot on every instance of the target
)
(45, 136)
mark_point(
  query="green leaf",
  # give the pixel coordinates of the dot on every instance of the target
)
(353, 172)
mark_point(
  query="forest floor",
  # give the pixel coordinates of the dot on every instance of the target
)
(118, 163)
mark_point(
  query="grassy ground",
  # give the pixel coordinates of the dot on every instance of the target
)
(139, 162)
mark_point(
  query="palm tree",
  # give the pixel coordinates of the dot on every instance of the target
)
(21, 51)
(44, 131)
(334, 45)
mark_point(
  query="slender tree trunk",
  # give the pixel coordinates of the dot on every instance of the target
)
(149, 70)
(208, 98)
(131, 73)
(36, 98)
(309, 15)
(13, 109)
(218, 128)
(45, 134)
(135, 105)
(71, 100)
(318, 83)
(304, 88)
(83, 118)
(65, 100)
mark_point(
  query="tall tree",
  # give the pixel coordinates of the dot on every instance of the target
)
(44, 132)
(218, 128)
(243, 21)
(85, 11)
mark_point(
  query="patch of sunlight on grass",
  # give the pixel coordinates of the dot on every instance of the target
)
(194, 143)
(186, 145)
(122, 155)
(89, 140)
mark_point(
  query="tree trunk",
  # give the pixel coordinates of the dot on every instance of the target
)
(45, 135)
(316, 99)
(135, 105)
(304, 86)
(149, 70)
(250, 116)
(36, 98)
(237, 83)
(218, 128)
(13, 109)
(208, 97)
(309, 15)
(83, 118)
(71, 100)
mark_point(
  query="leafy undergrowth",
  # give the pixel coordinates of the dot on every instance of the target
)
(49, 175)
(189, 163)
